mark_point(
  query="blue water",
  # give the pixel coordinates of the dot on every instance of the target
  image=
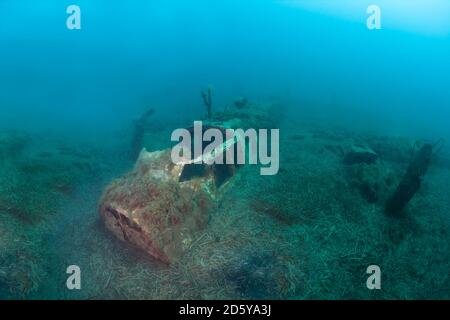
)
(159, 53)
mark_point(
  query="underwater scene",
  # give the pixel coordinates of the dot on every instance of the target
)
(224, 149)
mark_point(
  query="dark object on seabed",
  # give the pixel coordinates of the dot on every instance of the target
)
(207, 100)
(241, 103)
(411, 181)
(140, 126)
(222, 172)
(256, 276)
(360, 154)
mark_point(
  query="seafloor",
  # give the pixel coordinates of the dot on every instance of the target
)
(308, 232)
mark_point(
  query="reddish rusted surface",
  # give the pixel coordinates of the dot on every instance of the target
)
(152, 210)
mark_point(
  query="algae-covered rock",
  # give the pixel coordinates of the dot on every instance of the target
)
(360, 154)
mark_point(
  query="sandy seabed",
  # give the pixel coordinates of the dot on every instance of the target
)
(309, 232)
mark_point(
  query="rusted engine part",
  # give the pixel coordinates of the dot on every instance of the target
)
(411, 181)
(161, 206)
